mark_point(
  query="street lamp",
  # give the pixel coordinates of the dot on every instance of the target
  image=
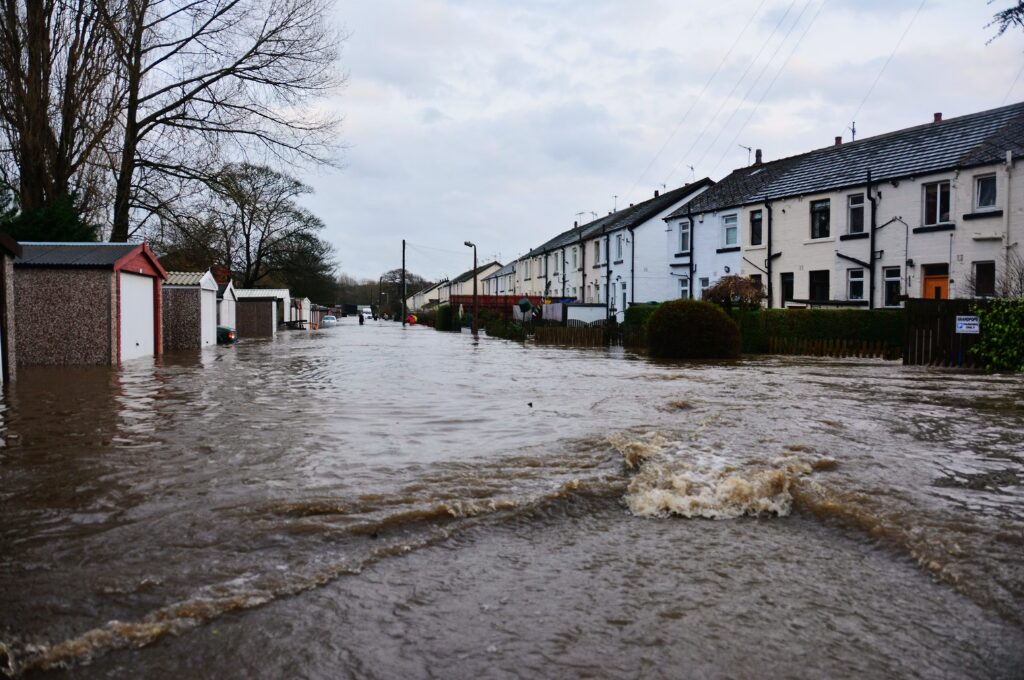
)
(475, 304)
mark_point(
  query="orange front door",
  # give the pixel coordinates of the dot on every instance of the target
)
(935, 288)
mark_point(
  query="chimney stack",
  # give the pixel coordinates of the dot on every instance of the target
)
(757, 157)
(655, 193)
(938, 117)
(575, 224)
(839, 140)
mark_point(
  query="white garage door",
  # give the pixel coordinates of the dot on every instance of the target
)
(208, 316)
(136, 316)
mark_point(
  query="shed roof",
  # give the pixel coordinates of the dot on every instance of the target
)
(9, 245)
(85, 255)
(277, 293)
(191, 280)
(956, 143)
(224, 289)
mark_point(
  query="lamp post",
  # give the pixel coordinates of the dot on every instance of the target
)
(475, 305)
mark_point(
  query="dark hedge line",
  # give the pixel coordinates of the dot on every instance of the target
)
(857, 325)
(637, 315)
(691, 329)
(445, 322)
(509, 330)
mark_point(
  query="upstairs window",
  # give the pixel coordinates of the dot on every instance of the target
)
(730, 230)
(684, 238)
(526, 270)
(936, 203)
(820, 216)
(855, 213)
(597, 252)
(574, 258)
(985, 192)
(618, 246)
(756, 220)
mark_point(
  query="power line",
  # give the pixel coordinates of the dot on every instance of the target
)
(721, 106)
(696, 99)
(886, 64)
(772, 83)
(1012, 85)
(757, 80)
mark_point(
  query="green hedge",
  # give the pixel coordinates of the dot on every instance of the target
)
(1001, 344)
(859, 325)
(691, 329)
(444, 318)
(509, 330)
(638, 315)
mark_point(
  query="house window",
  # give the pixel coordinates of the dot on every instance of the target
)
(818, 285)
(755, 228)
(854, 284)
(618, 246)
(756, 279)
(684, 287)
(705, 283)
(891, 278)
(985, 192)
(684, 236)
(730, 230)
(820, 213)
(574, 292)
(574, 258)
(855, 213)
(597, 253)
(936, 203)
(984, 278)
(785, 279)
(623, 296)
(526, 270)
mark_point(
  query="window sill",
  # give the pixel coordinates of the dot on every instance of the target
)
(683, 254)
(823, 239)
(853, 237)
(729, 249)
(948, 226)
(617, 262)
(596, 266)
(982, 214)
(758, 247)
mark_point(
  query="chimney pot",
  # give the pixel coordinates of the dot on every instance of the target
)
(757, 157)
(575, 224)
(839, 140)
(938, 116)
(655, 193)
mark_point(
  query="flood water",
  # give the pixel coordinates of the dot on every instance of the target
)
(379, 502)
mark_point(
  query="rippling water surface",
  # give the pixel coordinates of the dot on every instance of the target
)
(375, 502)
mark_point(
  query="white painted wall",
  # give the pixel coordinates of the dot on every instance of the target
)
(137, 331)
(208, 317)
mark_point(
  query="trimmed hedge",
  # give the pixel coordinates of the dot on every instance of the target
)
(1001, 344)
(445, 322)
(691, 329)
(509, 330)
(638, 315)
(859, 325)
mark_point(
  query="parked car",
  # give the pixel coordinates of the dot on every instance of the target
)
(328, 321)
(226, 335)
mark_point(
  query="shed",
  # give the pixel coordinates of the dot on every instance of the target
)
(227, 303)
(252, 315)
(302, 310)
(87, 303)
(9, 249)
(189, 310)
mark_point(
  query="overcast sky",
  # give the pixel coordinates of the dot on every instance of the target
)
(498, 121)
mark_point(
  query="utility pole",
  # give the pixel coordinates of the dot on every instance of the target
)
(475, 303)
(403, 283)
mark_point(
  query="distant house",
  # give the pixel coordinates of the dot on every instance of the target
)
(9, 249)
(260, 310)
(189, 310)
(87, 303)
(227, 303)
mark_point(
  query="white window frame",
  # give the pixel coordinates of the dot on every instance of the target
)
(684, 229)
(624, 291)
(597, 251)
(684, 287)
(705, 283)
(850, 207)
(977, 192)
(734, 227)
(575, 259)
(938, 205)
(855, 274)
(618, 246)
(887, 276)
(828, 212)
(526, 269)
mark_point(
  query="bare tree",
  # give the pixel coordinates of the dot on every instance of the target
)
(213, 79)
(60, 94)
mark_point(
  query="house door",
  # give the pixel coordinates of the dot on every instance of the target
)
(935, 282)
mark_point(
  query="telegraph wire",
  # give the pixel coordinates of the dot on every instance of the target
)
(721, 106)
(1012, 85)
(696, 99)
(886, 64)
(772, 83)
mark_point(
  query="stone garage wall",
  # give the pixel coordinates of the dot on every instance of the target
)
(182, 316)
(65, 316)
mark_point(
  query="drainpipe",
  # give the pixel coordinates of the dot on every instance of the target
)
(583, 262)
(1006, 216)
(632, 267)
(871, 255)
(693, 250)
(565, 274)
(607, 276)
(768, 262)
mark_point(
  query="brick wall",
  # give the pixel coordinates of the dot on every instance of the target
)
(181, 315)
(65, 316)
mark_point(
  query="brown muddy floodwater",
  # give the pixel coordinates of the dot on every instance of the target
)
(373, 502)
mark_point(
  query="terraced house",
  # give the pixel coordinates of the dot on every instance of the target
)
(929, 211)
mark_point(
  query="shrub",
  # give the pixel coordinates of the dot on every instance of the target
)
(444, 318)
(736, 291)
(638, 315)
(692, 329)
(1001, 345)
(509, 330)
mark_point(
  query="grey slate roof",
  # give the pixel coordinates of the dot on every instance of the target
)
(507, 269)
(957, 143)
(622, 219)
(184, 278)
(467, 276)
(97, 255)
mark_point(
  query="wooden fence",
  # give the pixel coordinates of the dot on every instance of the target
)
(833, 348)
(573, 336)
(930, 334)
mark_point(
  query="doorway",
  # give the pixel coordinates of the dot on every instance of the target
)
(935, 282)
